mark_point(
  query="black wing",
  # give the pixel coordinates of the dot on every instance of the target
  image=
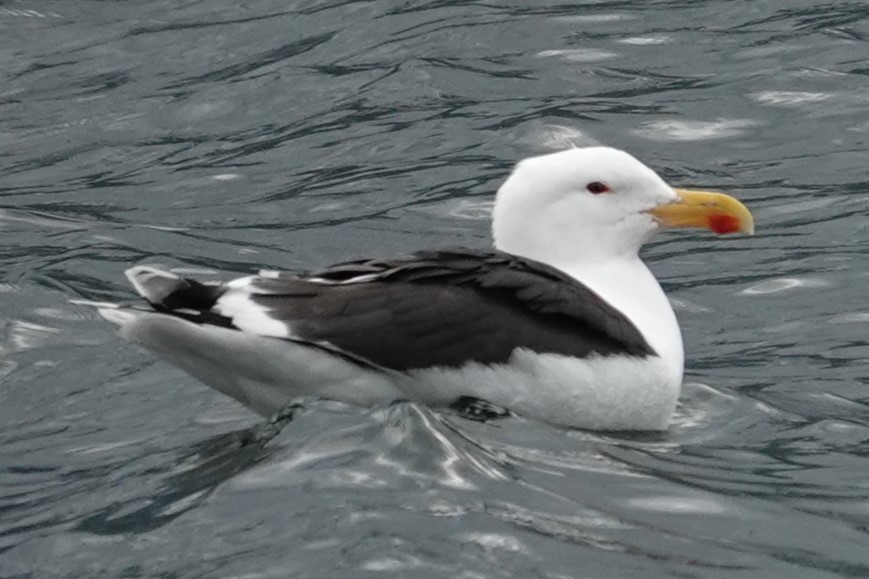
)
(434, 308)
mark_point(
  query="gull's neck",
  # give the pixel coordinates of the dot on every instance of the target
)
(627, 284)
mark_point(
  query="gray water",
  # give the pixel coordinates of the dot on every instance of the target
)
(224, 137)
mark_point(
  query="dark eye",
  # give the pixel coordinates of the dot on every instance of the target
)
(596, 187)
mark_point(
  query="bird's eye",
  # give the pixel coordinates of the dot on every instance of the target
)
(596, 187)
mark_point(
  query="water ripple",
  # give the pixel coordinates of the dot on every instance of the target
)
(229, 137)
(676, 130)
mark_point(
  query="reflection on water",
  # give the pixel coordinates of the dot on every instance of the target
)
(292, 135)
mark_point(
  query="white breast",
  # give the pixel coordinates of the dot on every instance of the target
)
(630, 287)
(612, 392)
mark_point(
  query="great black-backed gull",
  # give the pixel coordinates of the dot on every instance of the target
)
(561, 322)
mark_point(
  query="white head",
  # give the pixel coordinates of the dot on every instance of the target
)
(590, 204)
(579, 204)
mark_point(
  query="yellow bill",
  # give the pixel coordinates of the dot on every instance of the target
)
(715, 211)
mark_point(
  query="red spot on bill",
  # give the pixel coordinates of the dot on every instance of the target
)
(723, 224)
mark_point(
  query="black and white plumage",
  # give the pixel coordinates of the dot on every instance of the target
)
(561, 322)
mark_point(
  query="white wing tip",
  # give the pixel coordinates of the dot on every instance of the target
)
(142, 277)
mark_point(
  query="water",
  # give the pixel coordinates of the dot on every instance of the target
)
(225, 136)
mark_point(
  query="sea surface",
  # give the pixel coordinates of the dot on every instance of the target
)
(218, 137)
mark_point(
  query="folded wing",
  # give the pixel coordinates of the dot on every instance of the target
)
(437, 308)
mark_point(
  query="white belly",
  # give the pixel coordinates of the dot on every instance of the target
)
(265, 374)
(600, 393)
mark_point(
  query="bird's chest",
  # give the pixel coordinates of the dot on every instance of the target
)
(611, 392)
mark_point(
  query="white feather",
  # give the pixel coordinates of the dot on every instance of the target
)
(151, 283)
(262, 373)
(614, 393)
(266, 374)
(247, 315)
